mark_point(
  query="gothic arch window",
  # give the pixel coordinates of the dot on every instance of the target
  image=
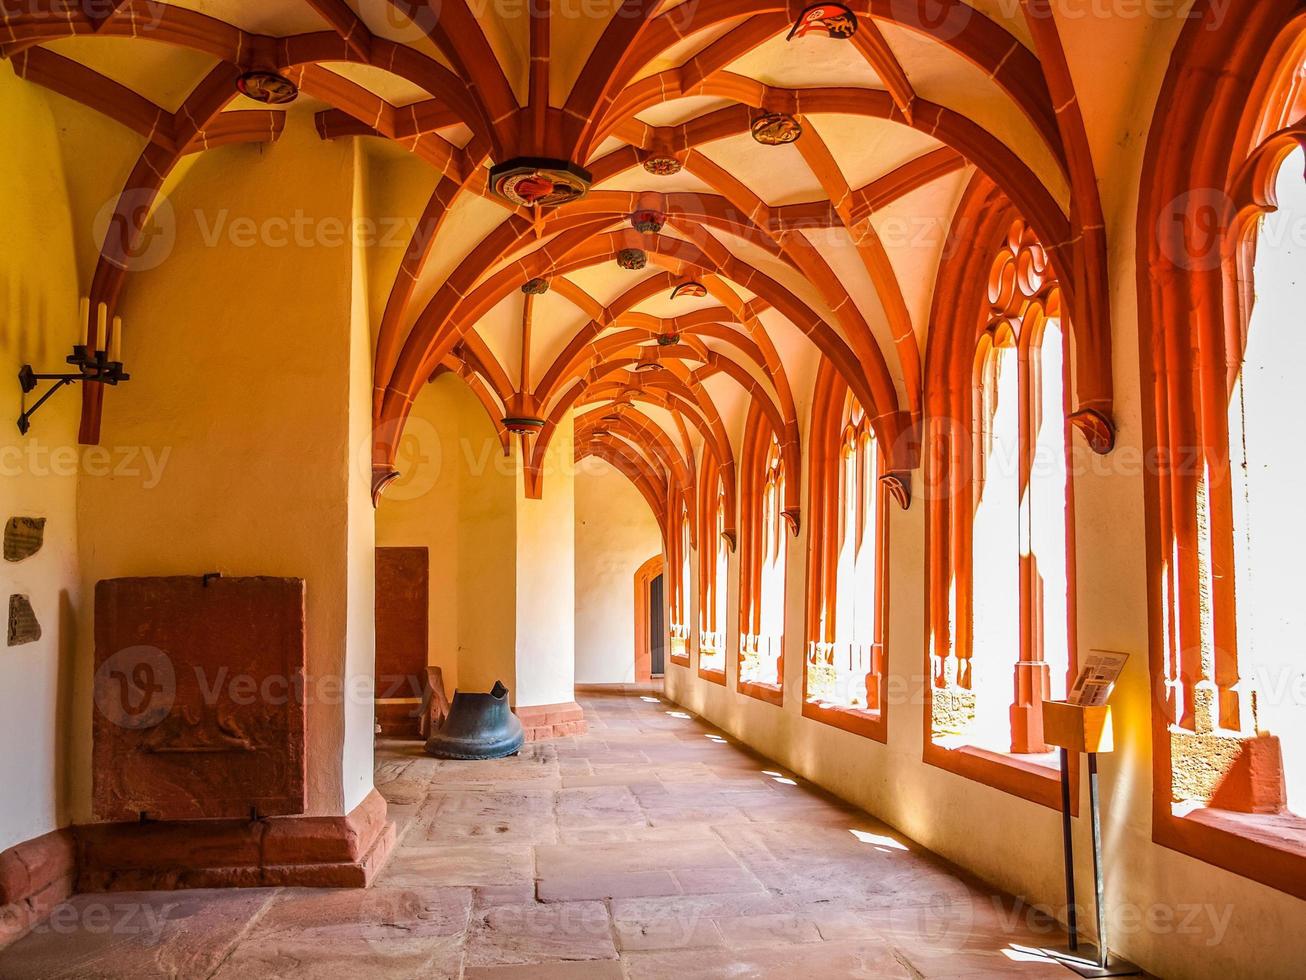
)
(713, 573)
(762, 559)
(844, 666)
(1001, 530)
(1221, 254)
(1018, 626)
(681, 574)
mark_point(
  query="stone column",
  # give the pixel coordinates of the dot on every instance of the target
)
(545, 559)
(245, 430)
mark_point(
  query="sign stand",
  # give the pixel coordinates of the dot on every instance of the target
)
(1083, 728)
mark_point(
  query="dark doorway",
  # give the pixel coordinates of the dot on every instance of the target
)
(657, 640)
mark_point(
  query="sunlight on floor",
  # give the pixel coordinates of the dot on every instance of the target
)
(1026, 954)
(880, 840)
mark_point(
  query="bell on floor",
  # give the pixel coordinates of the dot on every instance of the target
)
(479, 726)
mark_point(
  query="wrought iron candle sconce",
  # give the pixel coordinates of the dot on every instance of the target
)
(101, 365)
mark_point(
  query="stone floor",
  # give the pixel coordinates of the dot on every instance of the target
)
(653, 847)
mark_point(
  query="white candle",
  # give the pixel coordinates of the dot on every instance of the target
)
(115, 345)
(101, 326)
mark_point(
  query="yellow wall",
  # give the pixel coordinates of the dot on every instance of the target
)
(502, 589)
(455, 497)
(38, 473)
(615, 534)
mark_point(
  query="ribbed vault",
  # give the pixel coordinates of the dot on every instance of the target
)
(823, 249)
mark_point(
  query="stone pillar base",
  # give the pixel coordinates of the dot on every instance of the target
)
(1228, 771)
(315, 852)
(35, 876)
(1033, 683)
(541, 721)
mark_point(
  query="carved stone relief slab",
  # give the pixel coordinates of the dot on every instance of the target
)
(23, 626)
(199, 698)
(23, 537)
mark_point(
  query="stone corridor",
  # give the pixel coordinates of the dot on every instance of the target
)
(652, 847)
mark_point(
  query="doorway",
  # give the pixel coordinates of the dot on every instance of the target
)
(650, 620)
(657, 627)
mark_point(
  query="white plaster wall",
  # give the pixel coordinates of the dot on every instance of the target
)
(38, 472)
(616, 533)
(360, 652)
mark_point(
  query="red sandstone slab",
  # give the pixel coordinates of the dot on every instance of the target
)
(494, 817)
(748, 931)
(478, 865)
(589, 970)
(867, 959)
(199, 698)
(391, 959)
(665, 837)
(379, 914)
(134, 935)
(598, 806)
(666, 932)
(607, 885)
(716, 881)
(537, 933)
(402, 608)
(376, 932)
(636, 856)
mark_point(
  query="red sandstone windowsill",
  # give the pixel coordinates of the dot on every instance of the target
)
(715, 676)
(1009, 772)
(679, 661)
(859, 721)
(1269, 848)
(770, 693)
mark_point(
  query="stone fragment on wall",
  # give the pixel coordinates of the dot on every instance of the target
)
(23, 625)
(23, 537)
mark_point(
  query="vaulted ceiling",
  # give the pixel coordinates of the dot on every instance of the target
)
(824, 247)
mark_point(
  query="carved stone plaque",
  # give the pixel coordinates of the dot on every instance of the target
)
(23, 537)
(23, 627)
(402, 601)
(199, 698)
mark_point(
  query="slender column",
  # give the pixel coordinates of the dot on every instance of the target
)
(1068, 852)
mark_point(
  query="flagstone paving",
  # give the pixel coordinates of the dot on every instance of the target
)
(653, 847)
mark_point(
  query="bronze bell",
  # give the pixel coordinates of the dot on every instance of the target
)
(479, 726)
